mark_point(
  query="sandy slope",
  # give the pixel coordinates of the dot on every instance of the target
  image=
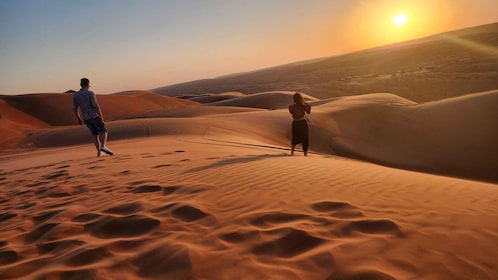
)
(455, 137)
(20, 114)
(187, 207)
(209, 192)
(56, 109)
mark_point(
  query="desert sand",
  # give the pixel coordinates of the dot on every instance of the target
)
(391, 189)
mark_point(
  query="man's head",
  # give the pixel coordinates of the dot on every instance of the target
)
(85, 83)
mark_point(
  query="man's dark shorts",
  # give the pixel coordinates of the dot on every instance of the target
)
(96, 125)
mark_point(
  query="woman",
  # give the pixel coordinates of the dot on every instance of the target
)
(298, 111)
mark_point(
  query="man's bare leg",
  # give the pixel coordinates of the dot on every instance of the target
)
(96, 141)
(103, 139)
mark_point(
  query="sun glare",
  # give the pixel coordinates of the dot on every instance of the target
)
(400, 20)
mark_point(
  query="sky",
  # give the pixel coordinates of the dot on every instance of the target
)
(47, 46)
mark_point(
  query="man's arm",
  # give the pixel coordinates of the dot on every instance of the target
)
(96, 104)
(76, 111)
(80, 121)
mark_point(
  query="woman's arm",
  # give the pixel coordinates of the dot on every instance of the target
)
(307, 108)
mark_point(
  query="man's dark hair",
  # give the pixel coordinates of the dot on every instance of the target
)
(84, 82)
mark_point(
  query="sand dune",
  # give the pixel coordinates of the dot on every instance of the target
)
(383, 128)
(23, 114)
(56, 109)
(437, 67)
(455, 136)
(265, 100)
(210, 98)
(210, 192)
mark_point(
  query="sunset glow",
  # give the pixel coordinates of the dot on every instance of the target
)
(47, 46)
(400, 20)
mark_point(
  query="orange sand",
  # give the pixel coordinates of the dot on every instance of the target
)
(209, 192)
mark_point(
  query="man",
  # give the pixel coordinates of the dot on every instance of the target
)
(87, 111)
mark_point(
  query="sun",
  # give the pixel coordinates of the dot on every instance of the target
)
(400, 20)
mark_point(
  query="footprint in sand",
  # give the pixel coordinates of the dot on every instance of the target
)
(170, 190)
(125, 209)
(84, 218)
(168, 261)
(189, 213)
(46, 216)
(132, 226)
(40, 233)
(337, 209)
(291, 244)
(185, 189)
(351, 223)
(280, 236)
(241, 237)
(362, 275)
(56, 175)
(162, 165)
(147, 155)
(147, 189)
(82, 257)
(79, 274)
(372, 227)
(8, 256)
(57, 247)
(276, 219)
(7, 216)
(26, 206)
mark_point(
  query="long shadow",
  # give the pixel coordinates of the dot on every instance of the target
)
(248, 145)
(235, 161)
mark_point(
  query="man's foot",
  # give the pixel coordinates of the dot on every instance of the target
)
(106, 150)
(99, 154)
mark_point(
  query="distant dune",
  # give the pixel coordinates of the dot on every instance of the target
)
(433, 68)
(264, 100)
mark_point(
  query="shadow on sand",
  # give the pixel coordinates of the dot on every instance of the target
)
(236, 161)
